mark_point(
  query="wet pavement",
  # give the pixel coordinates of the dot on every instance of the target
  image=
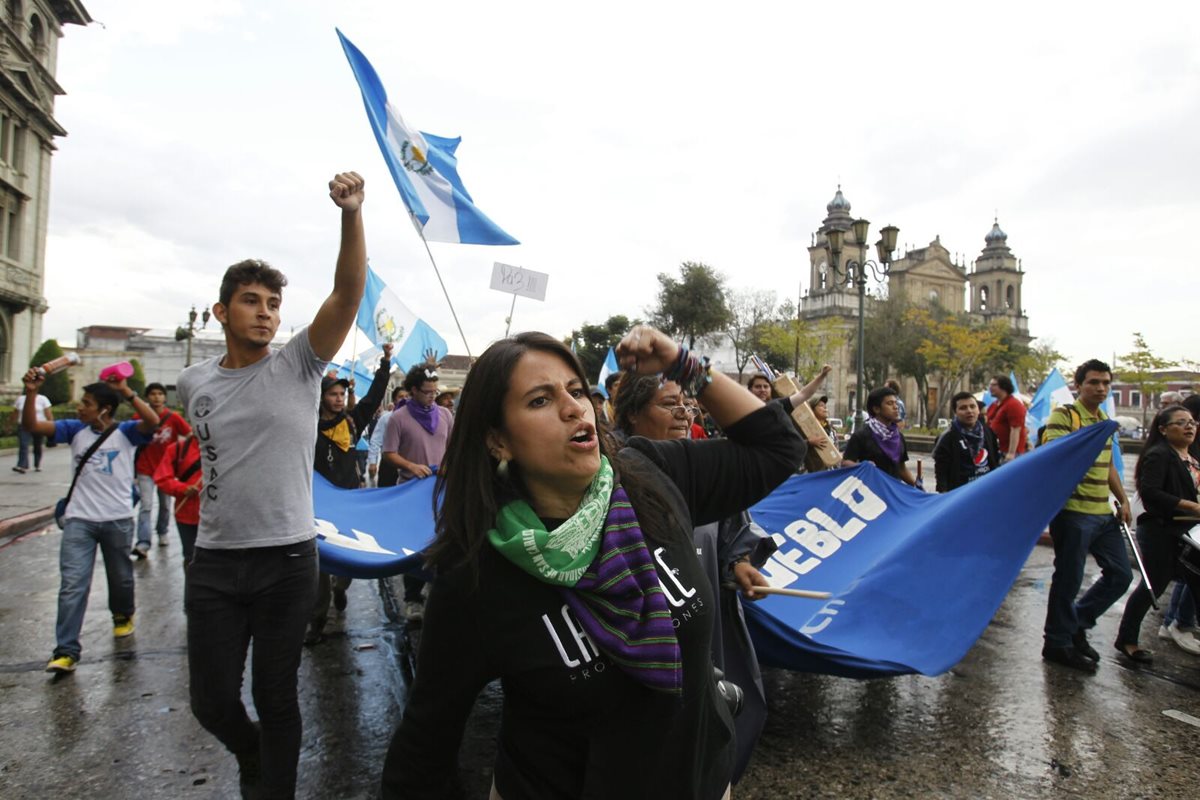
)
(1000, 724)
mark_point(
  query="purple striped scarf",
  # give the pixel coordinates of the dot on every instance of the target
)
(620, 604)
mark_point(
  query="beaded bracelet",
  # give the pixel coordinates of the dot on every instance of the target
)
(692, 373)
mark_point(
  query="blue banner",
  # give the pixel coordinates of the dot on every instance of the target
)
(372, 533)
(915, 577)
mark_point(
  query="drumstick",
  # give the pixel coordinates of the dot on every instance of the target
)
(792, 592)
(1187, 519)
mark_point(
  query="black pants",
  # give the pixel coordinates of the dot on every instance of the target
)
(231, 597)
(187, 537)
(1160, 553)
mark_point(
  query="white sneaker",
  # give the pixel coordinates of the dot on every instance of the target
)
(1164, 632)
(1186, 642)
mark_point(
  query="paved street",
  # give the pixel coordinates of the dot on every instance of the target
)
(1000, 724)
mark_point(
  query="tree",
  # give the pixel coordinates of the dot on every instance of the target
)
(749, 316)
(1035, 363)
(955, 348)
(807, 346)
(694, 305)
(57, 387)
(1140, 367)
(136, 381)
(591, 342)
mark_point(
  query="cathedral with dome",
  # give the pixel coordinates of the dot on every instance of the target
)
(989, 289)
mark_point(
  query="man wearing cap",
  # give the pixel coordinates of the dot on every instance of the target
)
(598, 398)
(336, 460)
(414, 443)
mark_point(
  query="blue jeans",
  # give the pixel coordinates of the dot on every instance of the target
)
(147, 490)
(1182, 608)
(1075, 535)
(24, 440)
(232, 596)
(76, 563)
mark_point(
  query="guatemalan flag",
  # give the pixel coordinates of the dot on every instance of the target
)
(383, 318)
(610, 366)
(423, 166)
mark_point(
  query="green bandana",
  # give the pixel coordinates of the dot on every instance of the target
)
(559, 557)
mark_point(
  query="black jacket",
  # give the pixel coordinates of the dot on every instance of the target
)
(953, 464)
(574, 725)
(340, 467)
(1162, 481)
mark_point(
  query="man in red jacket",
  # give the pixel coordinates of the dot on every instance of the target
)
(179, 475)
(170, 427)
(1006, 417)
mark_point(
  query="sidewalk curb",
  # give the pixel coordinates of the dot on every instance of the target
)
(23, 523)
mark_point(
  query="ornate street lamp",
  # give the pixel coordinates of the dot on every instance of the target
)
(856, 272)
(189, 332)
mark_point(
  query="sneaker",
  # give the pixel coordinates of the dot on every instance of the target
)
(162, 540)
(1164, 632)
(1079, 640)
(19, 469)
(414, 611)
(1068, 657)
(62, 664)
(122, 626)
(140, 550)
(314, 635)
(339, 599)
(1186, 642)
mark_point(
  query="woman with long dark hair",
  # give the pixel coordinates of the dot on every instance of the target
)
(1166, 477)
(568, 571)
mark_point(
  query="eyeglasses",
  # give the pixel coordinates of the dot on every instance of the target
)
(1187, 423)
(679, 412)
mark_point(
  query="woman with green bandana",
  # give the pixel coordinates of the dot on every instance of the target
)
(566, 569)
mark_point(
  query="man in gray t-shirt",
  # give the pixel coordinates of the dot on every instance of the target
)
(254, 572)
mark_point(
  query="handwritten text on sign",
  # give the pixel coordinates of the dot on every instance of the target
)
(518, 280)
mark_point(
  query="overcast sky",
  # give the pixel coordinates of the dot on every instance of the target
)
(617, 140)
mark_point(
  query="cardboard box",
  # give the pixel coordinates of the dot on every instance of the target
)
(784, 386)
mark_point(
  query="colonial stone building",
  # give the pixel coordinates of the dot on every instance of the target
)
(990, 289)
(29, 34)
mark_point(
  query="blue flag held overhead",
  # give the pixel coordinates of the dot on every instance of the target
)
(384, 318)
(423, 166)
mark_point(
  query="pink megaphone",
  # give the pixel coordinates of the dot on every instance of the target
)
(121, 371)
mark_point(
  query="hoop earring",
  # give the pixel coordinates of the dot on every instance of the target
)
(502, 469)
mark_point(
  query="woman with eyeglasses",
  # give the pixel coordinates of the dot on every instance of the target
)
(567, 569)
(731, 551)
(1167, 476)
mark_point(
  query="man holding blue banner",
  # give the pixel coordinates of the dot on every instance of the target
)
(1085, 525)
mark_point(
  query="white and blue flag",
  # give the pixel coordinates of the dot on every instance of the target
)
(610, 366)
(383, 318)
(1051, 394)
(423, 166)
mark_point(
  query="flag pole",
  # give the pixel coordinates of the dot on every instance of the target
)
(508, 319)
(436, 271)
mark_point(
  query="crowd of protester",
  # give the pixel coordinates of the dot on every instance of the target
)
(592, 546)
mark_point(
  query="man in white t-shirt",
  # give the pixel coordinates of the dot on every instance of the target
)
(99, 511)
(25, 439)
(253, 574)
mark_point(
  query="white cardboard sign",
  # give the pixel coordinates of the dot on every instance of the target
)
(519, 281)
